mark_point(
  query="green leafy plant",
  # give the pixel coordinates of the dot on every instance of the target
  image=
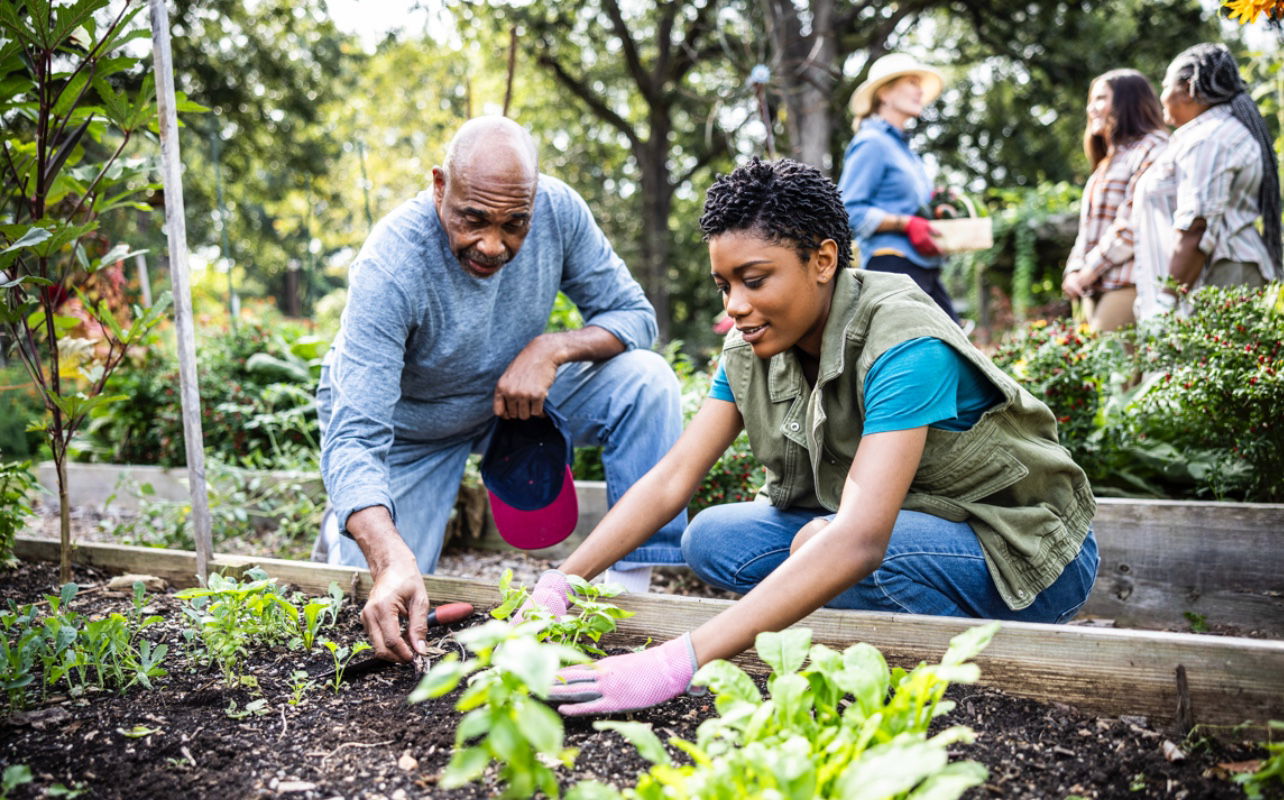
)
(17, 483)
(230, 615)
(300, 683)
(342, 656)
(1183, 407)
(1272, 770)
(14, 775)
(254, 708)
(75, 651)
(833, 725)
(590, 619)
(1217, 387)
(68, 127)
(283, 515)
(504, 720)
(258, 384)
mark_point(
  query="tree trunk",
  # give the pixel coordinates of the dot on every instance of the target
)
(64, 519)
(805, 69)
(657, 240)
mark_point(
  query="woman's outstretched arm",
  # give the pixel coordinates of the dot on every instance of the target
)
(661, 493)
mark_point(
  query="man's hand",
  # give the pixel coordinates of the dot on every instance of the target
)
(1076, 284)
(628, 682)
(524, 385)
(398, 592)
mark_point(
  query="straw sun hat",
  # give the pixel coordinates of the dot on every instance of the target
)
(887, 69)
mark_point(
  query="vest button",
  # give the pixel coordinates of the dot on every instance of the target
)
(1021, 593)
(793, 426)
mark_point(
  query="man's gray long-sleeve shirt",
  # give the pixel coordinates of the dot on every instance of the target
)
(422, 343)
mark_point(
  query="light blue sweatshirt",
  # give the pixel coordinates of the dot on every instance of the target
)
(422, 343)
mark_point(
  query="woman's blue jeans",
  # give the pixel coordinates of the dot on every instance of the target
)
(932, 565)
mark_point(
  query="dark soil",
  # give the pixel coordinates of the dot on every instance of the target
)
(366, 742)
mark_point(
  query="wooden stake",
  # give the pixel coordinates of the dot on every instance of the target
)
(176, 234)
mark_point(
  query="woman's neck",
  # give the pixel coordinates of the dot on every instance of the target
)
(894, 118)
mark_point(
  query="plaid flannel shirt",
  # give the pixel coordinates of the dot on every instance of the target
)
(1104, 247)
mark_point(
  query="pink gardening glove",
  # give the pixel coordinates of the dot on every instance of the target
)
(550, 593)
(920, 232)
(627, 682)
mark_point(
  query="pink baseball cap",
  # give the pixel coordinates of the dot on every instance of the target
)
(527, 472)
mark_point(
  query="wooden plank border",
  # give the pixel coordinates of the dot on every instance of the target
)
(1102, 671)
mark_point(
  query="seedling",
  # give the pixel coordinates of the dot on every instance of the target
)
(14, 775)
(843, 725)
(591, 618)
(1272, 769)
(256, 708)
(503, 720)
(300, 683)
(106, 653)
(342, 656)
(231, 615)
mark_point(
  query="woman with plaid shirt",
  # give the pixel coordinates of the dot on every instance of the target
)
(1124, 135)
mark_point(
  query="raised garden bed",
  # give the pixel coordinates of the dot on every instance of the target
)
(365, 742)
(1165, 564)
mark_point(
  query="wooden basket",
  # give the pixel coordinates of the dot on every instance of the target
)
(966, 234)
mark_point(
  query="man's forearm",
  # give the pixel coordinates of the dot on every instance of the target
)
(378, 538)
(1188, 260)
(589, 343)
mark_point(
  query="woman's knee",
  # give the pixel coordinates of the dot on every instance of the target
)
(806, 533)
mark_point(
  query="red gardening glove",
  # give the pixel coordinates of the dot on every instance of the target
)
(920, 233)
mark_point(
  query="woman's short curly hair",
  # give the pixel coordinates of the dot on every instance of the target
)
(785, 201)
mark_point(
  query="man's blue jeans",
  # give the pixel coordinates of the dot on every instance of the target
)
(629, 405)
(932, 565)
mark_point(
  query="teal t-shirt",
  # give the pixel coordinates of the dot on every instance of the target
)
(919, 382)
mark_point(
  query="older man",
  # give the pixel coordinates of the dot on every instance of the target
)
(444, 333)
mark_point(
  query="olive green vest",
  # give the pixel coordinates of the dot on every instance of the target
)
(1008, 477)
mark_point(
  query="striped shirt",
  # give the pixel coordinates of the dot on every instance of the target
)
(1211, 169)
(1104, 247)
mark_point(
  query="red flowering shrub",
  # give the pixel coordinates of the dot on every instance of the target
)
(1216, 385)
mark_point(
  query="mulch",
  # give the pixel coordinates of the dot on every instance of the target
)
(367, 742)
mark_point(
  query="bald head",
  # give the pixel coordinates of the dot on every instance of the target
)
(492, 147)
(485, 193)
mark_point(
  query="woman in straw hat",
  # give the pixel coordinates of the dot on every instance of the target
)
(884, 183)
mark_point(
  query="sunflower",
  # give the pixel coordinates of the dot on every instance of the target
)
(1248, 10)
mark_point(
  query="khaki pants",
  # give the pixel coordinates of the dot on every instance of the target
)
(1110, 310)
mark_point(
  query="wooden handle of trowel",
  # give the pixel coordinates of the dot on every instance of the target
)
(450, 612)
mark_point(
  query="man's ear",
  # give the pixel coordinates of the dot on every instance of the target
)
(438, 185)
(825, 260)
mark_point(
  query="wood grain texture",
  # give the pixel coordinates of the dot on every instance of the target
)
(1162, 558)
(1103, 671)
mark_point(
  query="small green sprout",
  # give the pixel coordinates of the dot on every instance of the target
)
(342, 657)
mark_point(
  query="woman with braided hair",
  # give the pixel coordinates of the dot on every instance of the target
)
(905, 472)
(1197, 208)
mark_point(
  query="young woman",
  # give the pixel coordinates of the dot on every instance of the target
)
(1125, 134)
(1198, 207)
(905, 472)
(884, 183)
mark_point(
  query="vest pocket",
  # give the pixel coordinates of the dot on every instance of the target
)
(970, 476)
